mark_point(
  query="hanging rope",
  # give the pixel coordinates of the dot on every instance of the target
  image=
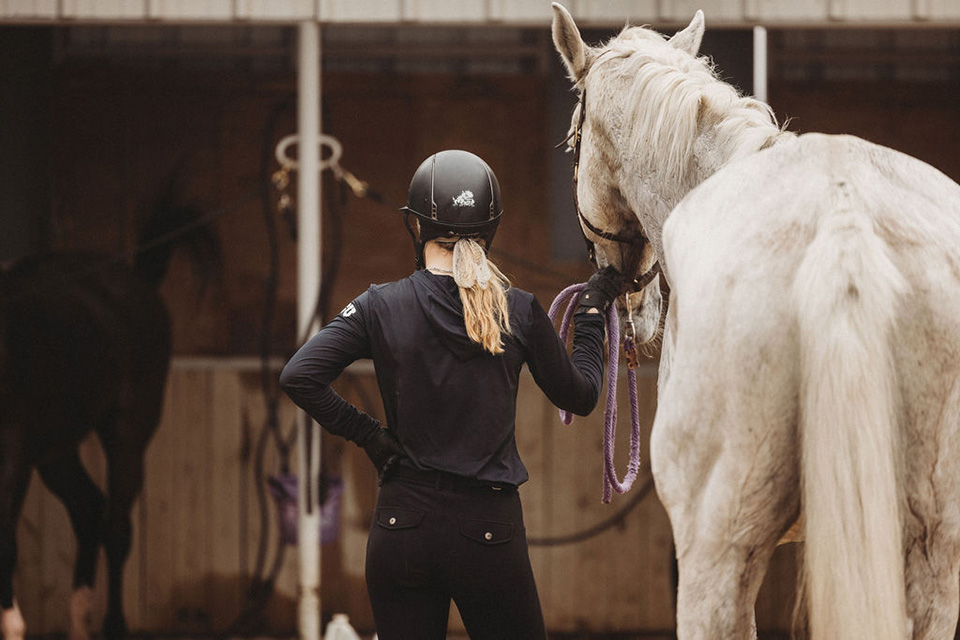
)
(570, 296)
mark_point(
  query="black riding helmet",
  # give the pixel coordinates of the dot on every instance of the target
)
(453, 194)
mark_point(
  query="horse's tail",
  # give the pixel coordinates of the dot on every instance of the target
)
(846, 293)
(174, 225)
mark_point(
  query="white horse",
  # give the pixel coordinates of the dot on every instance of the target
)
(811, 356)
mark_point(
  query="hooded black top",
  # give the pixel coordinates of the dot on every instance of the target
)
(450, 403)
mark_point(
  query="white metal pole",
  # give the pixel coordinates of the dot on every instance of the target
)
(308, 286)
(760, 63)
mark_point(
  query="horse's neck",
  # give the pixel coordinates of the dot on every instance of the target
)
(718, 146)
(714, 148)
(726, 142)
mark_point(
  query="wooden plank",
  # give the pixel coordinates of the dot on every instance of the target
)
(28, 8)
(224, 471)
(191, 534)
(105, 9)
(715, 11)
(444, 10)
(939, 9)
(533, 11)
(163, 510)
(884, 10)
(365, 10)
(276, 9)
(618, 11)
(190, 9)
(786, 10)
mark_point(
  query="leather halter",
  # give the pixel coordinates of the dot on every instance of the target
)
(635, 239)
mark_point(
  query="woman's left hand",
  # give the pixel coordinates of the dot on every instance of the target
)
(384, 451)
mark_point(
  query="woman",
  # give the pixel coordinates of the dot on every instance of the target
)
(448, 344)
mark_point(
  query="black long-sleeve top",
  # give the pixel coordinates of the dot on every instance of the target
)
(450, 403)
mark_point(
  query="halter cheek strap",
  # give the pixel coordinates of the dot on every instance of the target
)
(634, 239)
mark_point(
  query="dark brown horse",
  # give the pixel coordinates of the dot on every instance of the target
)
(85, 346)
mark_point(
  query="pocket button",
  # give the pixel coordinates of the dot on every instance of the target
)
(488, 536)
(393, 521)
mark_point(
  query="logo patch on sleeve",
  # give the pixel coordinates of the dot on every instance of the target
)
(348, 310)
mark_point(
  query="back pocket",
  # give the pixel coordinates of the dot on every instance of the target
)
(486, 532)
(398, 517)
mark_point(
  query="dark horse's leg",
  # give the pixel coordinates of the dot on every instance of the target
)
(67, 479)
(14, 479)
(126, 481)
(125, 441)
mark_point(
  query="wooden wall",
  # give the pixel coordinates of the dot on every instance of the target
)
(198, 523)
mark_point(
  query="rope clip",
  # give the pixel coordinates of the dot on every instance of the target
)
(629, 338)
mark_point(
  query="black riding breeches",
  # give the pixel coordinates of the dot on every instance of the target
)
(433, 540)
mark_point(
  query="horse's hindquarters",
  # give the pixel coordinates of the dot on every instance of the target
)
(879, 217)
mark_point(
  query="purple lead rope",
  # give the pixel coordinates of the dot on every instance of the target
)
(570, 296)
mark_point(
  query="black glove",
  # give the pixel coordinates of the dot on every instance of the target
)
(602, 288)
(384, 451)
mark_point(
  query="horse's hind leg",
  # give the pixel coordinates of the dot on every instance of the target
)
(67, 479)
(14, 479)
(720, 577)
(725, 525)
(125, 441)
(126, 480)
(933, 592)
(932, 545)
(724, 463)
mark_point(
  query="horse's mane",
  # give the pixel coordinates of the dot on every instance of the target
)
(673, 94)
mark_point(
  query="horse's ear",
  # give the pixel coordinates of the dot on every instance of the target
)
(569, 44)
(689, 39)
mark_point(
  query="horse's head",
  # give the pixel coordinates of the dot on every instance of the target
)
(624, 155)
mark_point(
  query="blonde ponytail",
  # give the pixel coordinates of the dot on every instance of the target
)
(483, 294)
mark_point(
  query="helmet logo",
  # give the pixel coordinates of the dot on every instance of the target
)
(465, 199)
